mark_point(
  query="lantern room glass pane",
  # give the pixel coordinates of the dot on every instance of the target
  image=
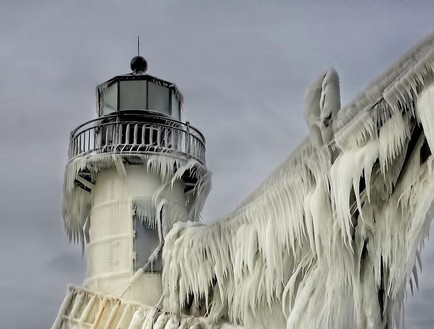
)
(110, 99)
(132, 95)
(158, 98)
(176, 114)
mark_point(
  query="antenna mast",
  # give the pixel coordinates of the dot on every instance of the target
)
(138, 45)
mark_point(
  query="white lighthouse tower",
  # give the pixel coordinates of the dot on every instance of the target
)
(132, 173)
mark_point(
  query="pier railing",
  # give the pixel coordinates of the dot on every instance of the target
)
(147, 134)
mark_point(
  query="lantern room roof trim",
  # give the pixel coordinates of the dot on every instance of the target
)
(140, 77)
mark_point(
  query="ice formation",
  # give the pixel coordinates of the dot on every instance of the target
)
(77, 201)
(321, 104)
(331, 239)
(83, 308)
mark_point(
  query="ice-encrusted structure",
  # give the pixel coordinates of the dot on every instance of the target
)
(332, 238)
(77, 201)
(84, 308)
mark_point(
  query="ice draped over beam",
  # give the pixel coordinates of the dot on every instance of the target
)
(332, 238)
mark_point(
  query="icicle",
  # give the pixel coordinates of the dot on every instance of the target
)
(148, 322)
(425, 112)
(357, 132)
(144, 209)
(137, 320)
(419, 260)
(161, 321)
(392, 138)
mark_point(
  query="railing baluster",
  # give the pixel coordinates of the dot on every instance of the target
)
(158, 136)
(155, 136)
(84, 141)
(119, 133)
(95, 138)
(92, 134)
(88, 141)
(172, 139)
(109, 136)
(127, 134)
(143, 141)
(135, 133)
(72, 151)
(188, 136)
(149, 129)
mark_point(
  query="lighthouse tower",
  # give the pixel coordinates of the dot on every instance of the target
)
(132, 173)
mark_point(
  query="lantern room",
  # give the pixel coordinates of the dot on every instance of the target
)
(138, 91)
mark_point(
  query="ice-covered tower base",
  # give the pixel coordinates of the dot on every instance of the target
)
(117, 230)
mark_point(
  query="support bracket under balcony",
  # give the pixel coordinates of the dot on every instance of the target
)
(86, 184)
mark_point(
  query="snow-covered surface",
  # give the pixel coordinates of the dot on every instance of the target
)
(331, 238)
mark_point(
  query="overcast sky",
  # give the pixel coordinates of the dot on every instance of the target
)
(242, 66)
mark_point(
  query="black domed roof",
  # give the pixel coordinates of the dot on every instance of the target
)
(139, 64)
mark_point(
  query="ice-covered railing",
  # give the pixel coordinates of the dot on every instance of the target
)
(87, 309)
(148, 134)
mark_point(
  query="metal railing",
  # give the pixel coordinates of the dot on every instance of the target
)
(149, 134)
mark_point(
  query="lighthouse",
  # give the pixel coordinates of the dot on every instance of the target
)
(132, 173)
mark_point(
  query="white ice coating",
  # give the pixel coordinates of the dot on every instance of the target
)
(331, 238)
(84, 309)
(77, 201)
(321, 104)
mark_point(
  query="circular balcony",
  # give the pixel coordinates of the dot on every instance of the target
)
(132, 133)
